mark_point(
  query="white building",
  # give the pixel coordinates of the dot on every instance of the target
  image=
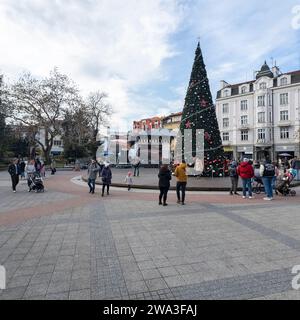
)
(261, 118)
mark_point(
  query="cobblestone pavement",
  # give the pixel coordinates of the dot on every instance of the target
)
(68, 244)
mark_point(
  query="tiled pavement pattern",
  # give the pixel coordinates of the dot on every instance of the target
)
(114, 248)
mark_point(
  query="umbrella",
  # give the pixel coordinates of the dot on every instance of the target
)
(285, 155)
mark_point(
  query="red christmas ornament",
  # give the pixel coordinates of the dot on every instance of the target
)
(188, 124)
(207, 136)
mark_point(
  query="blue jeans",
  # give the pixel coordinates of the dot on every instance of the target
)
(247, 185)
(91, 184)
(267, 181)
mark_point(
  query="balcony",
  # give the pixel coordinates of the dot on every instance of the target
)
(284, 123)
(244, 126)
(263, 142)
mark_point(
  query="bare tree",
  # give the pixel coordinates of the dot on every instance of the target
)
(40, 104)
(99, 112)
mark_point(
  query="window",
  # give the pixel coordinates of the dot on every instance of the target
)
(284, 133)
(226, 93)
(225, 122)
(284, 99)
(244, 135)
(244, 89)
(225, 136)
(261, 134)
(57, 142)
(261, 101)
(261, 118)
(244, 105)
(263, 85)
(244, 120)
(225, 108)
(284, 115)
(283, 81)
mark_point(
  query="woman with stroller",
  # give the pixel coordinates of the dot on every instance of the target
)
(30, 170)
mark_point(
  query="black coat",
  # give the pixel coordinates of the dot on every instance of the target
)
(13, 171)
(164, 178)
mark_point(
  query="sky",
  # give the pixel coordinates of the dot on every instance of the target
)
(141, 52)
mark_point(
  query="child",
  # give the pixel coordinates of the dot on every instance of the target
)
(128, 180)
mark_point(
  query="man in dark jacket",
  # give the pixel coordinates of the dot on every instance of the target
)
(14, 172)
(164, 176)
(246, 172)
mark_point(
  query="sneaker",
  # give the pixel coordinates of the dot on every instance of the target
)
(165, 204)
(244, 197)
(236, 193)
(251, 197)
(183, 203)
(267, 199)
(14, 191)
(160, 203)
(231, 193)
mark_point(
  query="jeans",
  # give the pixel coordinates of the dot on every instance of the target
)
(247, 185)
(163, 194)
(267, 181)
(91, 184)
(136, 171)
(234, 184)
(180, 186)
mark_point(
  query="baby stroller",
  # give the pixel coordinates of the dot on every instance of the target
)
(284, 185)
(35, 182)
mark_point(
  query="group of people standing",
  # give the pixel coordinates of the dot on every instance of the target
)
(24, 169)
(248, 171)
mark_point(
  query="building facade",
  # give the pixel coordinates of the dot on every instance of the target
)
(148, 123)
(260, 119)
(172, 121)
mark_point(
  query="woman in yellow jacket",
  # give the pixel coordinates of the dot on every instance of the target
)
(180, 174)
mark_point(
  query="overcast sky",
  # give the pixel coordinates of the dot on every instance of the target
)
(141, 51)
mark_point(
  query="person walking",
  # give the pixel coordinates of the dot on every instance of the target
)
(136, 166)
(267, 172)
(164, 176)
(14, 172)
(53, 167)
(30, 171)
(246, 172)
(274, 180)
(128, 180)
(234, 177)
(106, 178)
(22, 168)
(181, 176)
(93, 168)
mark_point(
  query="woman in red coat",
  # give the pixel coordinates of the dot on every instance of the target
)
(246, 172)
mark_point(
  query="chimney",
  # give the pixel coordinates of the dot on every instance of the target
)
(276, 71)
(223, 84)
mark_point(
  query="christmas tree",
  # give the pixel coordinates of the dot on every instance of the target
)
(199, 113)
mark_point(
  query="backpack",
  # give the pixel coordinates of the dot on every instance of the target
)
(269, 170)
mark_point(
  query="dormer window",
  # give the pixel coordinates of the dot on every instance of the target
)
(244, 89)
(283, 81)
(226, 93)
(263, 85)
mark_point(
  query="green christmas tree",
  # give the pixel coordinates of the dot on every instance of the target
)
(199, 113)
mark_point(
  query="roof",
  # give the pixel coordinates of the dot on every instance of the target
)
(265, 71)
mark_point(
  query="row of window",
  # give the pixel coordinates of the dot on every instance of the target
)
(261, 102)
(262, 85)
(261, 134)
(261, 118)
